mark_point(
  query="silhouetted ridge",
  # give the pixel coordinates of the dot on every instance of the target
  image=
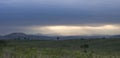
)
(23, 36)
(16, 34)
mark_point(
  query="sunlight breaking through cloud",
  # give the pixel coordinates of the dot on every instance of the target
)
(77, 30)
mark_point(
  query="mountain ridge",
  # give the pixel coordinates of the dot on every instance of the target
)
(23, 36)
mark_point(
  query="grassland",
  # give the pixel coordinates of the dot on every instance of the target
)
(98, 48)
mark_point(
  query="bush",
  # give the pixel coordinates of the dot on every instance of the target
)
(2, 43)
(85, 47)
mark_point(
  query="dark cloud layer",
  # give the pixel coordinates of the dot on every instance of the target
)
(64, 12)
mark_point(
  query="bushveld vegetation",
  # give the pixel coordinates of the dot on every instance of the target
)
(74, 48)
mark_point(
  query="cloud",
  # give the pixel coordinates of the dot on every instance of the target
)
(77, 30)
(65, 3)
(24, 13)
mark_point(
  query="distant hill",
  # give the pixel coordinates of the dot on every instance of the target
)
(23, 36)
(16, 34)
(81, 37)
(116, 36)
(0, 36)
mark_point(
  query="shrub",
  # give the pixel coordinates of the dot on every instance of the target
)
(2, 43)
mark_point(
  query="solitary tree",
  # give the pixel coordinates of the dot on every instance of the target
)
(85, 47)
(58, 38)
(2, 44)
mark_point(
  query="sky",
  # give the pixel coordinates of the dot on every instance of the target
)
(60, 17)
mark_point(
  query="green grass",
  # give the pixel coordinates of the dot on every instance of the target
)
(98, 48)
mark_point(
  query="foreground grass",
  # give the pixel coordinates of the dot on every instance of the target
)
(99, 48)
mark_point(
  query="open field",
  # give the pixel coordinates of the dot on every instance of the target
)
(97, 48)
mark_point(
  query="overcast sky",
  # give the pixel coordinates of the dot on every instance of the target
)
(32, 16)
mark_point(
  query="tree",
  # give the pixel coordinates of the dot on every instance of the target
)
(58, 38)
(2, 43)
(85, 47)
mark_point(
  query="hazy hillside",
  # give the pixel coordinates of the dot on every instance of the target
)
(23, 36)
